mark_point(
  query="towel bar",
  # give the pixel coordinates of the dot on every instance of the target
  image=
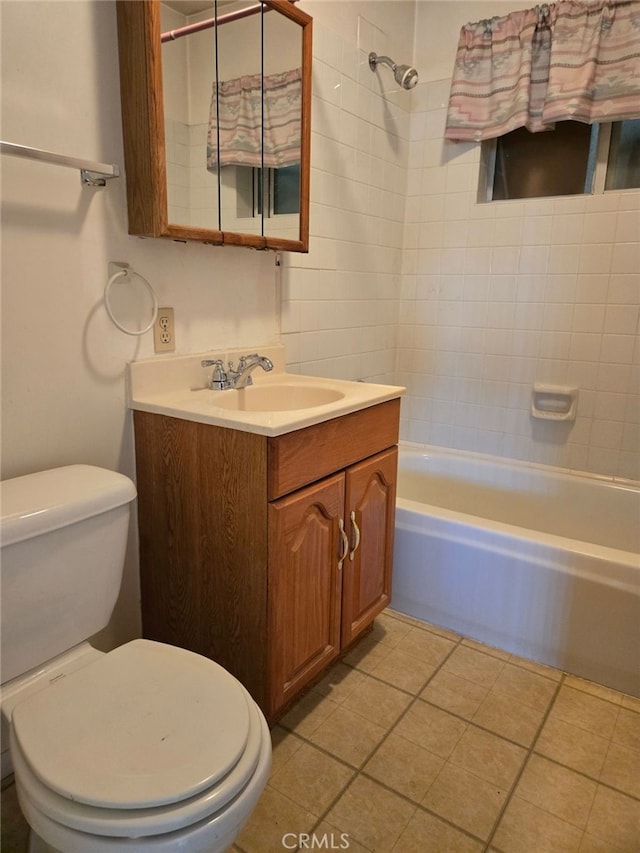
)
(91, 173)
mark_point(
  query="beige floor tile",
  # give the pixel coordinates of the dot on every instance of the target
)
(540, 668)
(558, 790)
(404, 766)
(367, 654)
(389, 630)
(283, 745)
(575, 747)
(526, 686)
(341, 681)
(464, 799)
(427, 834)
(615, 819)
(425, 626)
(631, 702)
(475, 666)
(627, 729)
(585, 711)
(621, 770)
(509, 718)
(487, 650)
(488, 756)
(441, 632)
(590, 844)
(374, 816)
(404, 671)
(311, 778)
(308, 713)
(431, 728)
(379, 702)
(348, 736)
(525, 828)
(594, 689)
(455, 694)
(426, 646)
(274, 816)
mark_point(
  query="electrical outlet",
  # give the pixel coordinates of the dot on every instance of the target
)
(164, 339)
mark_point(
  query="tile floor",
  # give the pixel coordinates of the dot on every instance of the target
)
(421, 741)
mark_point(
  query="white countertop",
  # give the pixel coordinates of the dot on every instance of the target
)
(177, 387)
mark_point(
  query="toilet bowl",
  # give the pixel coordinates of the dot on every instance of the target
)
(142, 749)
(149, 748)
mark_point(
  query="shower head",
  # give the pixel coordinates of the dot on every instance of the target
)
(405, 75)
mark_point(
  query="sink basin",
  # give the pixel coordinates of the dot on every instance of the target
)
(275, 398)
(277, 403)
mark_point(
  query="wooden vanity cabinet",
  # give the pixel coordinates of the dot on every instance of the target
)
(266, 554)
(370, 510)
(305, 586)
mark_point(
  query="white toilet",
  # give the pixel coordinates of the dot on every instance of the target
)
(146, 748)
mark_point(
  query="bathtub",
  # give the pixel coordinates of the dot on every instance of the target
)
(537, 561)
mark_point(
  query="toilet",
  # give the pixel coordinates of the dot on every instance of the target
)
(143, 749)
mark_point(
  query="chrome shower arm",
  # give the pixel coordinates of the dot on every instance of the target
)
(374, 59)
(404, 75)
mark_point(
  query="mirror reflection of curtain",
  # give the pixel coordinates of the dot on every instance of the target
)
(236, 114)
(570, 60)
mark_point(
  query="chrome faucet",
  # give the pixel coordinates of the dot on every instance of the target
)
(222, 379)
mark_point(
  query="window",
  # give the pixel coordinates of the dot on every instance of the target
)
(623, 165)
(572, 159)
(280, 187)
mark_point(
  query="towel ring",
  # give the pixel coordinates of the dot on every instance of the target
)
(107, 291)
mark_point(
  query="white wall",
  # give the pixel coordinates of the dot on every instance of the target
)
(63, 361)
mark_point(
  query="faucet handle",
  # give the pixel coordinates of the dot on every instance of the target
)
(219, 380)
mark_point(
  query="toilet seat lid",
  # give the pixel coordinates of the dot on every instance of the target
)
(145, 725)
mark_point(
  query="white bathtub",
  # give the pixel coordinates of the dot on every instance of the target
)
(534, 560)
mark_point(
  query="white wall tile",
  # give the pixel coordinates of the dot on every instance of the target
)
(626, 258)
(541, 314)
(596, 258)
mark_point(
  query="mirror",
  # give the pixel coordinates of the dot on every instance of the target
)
(216, 103)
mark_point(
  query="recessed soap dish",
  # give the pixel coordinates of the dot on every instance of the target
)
(554, 402)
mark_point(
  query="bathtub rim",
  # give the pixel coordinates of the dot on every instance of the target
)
(508, 533)
(503, 530)
(513, 462)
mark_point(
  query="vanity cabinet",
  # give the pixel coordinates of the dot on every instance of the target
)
(268, 554)
(330, 553)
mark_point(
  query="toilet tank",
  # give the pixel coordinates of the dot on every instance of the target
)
(63, 535)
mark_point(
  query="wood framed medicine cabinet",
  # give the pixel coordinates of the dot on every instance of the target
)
(228, 209)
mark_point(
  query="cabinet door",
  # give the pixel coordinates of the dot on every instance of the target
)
(370, 511)
(305, 545)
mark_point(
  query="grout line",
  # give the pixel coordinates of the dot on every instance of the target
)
(360, 771)
(416, 697)
(523, 767)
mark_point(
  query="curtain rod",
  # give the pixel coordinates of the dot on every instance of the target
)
(227, 18)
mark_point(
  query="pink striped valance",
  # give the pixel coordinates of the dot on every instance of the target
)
(568, 60)
(236, 114)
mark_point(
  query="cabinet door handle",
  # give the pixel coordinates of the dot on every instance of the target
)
(357, 532)
(345, 543)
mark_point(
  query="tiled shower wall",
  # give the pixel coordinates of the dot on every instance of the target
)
(497, 296)
(340, 302)
(409, 280)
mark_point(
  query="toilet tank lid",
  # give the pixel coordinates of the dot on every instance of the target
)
(47, 500)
